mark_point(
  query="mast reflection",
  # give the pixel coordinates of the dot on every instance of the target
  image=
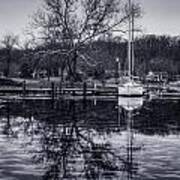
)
(129, 106)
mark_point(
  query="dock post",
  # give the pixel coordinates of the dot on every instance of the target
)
(60, 88)
(52, 90)
(84, 90)
(56, 91)
(24, 88)
(95, 88)
(73, 89)
(84, 94)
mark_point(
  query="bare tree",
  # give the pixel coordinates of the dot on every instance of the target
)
(9, 42)
(74, 23)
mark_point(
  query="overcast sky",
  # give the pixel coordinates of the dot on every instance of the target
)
(15, 15)
(160, 16)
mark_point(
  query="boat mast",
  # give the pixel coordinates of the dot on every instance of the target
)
(130, 41)
(132, 44)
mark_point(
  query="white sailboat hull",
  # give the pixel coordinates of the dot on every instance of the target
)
(131, 90)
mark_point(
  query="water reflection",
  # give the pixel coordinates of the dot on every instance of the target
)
(68, 139)
(130, 106)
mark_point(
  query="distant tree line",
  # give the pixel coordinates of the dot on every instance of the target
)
(96, 59)
(152, 53)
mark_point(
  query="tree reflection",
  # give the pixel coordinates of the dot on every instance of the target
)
(70, 150)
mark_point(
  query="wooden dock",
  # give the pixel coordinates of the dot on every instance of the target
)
(55, 92)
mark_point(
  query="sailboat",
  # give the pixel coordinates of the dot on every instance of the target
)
(130, 88)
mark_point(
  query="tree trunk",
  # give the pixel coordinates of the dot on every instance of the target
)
(74, 61)
(72, 67)
(62, 74)
(48, 74)
(7, 71)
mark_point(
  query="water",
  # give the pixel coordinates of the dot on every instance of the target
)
(71, 139)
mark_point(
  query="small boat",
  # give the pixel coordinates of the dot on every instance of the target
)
(174, 86)
(130, 88)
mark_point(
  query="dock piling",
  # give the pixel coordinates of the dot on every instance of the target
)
(84, 90)
(24, 88)
(52, 90)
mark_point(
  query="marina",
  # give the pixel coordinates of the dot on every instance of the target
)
(89, 90)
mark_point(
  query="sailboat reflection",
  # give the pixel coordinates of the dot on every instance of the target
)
(130, 105)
